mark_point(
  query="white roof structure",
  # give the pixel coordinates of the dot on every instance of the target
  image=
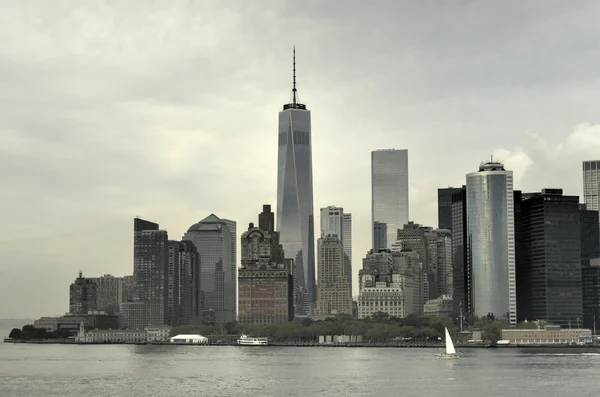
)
(189, 339)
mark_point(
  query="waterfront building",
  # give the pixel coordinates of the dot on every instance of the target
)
(490, 228)
(551, 335)
(445, 206)
(335, 222)
(295, 216)
(150, 258)
(441, 306)
(590, 267)
(333, 288)
(150, 334)
(550, 270)
(389, 191)
(133, 315)
(68, 324)
(215, 241)
(83, 294)
(183, 285)
(383, 297)
(265, 286)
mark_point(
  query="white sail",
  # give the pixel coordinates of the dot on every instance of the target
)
(449, 344)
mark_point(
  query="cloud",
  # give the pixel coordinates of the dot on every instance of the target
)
(169, 111)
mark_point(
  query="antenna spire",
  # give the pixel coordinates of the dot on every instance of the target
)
(294, 89)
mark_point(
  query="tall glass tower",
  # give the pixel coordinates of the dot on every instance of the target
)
(295, 217)
(389, 191)
(491, 234)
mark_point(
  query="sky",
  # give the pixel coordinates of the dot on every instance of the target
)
(168, 110)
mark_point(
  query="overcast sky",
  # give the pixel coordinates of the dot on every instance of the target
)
(168, 110)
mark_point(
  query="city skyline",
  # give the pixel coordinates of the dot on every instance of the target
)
(109, 122)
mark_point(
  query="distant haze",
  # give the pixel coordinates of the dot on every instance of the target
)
(168, 110)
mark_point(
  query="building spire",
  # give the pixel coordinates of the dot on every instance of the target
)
(294, 102)
(294, 89)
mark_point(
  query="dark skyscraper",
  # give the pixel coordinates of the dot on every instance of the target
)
(550, 269)
(445, 207)
(590, 266)
(266, 219)
(150, 261)
(461, 269)
(295, 212)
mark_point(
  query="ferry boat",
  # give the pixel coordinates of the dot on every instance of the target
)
(245, 340)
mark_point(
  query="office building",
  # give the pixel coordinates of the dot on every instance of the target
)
(380, 236)
(461, 268)
(333, 288)
(335, 222)
(82, 296)
(295, 216)
(550, 270)
(434, 247)
(109, 293)
(215, 241)
(150, 258)
(591, 185)
(266, 294)
(183, 285)
(490, 227)
(445, 207)
(590, 267)
(389, 191)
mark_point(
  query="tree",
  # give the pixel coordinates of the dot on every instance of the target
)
(15, 333)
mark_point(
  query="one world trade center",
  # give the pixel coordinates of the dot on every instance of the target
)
(295, 220)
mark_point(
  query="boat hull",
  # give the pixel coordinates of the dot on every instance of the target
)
(448, 356)
(245, 343)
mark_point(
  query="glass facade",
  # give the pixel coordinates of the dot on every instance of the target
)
(389, 191)
(445, 207)
(490, 228)
(591, 185)
(550, 267)
(461, 269)
(215, 241)
(295, 194)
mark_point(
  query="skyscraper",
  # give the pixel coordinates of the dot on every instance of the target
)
(265, 285)
(334, 289)
(295, 216)
(461, 278)
(445, 207)
(550, 269)
(389, 191)
(591, 185)
(215, 242)
(150, 257)
(490, 229)
(335, 222)
(183, 289)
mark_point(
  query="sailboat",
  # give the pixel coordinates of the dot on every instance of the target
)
(450, 352)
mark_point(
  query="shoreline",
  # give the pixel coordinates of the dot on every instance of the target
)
(312, 344)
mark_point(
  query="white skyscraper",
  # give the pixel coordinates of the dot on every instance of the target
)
(591, 184)
(490, 229)
(389, 191)
(335, 222)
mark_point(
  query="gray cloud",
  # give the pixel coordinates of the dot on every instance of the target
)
(168, 111)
